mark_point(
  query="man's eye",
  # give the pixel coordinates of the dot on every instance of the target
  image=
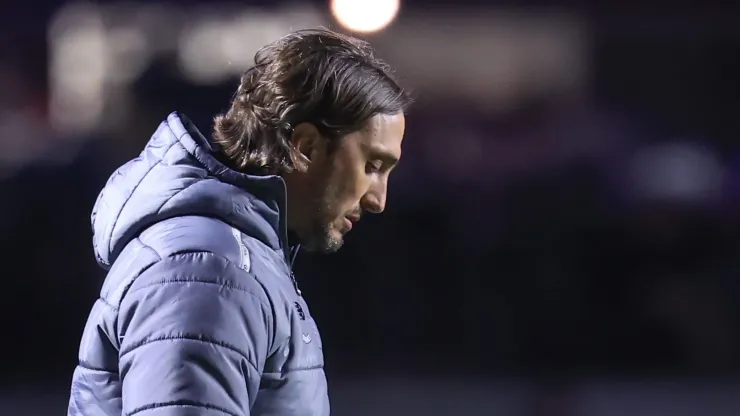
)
(374, 167)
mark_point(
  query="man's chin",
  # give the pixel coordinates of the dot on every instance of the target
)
(332, 245)
(327, 243)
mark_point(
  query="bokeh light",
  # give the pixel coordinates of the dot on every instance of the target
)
(365, 16)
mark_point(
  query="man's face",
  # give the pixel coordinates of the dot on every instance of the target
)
(336, 188)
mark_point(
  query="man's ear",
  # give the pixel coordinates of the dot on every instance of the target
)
(305, 141)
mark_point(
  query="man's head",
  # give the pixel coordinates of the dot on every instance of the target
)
(321, 111)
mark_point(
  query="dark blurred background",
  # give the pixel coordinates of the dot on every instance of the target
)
(561, 237)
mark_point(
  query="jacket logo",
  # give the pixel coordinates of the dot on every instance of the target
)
(299, 309)
(306, 338)
(245, 262)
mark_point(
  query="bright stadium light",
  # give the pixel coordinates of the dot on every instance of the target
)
(365, 16)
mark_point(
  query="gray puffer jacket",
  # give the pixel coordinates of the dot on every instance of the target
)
(199, 313)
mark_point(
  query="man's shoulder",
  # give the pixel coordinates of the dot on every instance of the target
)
(200, 250)
(191, 234)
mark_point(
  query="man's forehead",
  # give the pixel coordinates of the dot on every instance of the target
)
(384, 132)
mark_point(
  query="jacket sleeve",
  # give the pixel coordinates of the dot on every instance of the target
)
(194, 332)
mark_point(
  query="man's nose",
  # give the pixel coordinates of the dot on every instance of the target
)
(374, 200)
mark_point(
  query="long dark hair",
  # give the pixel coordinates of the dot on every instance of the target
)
(317, 76)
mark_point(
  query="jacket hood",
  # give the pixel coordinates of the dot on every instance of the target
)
(176, 175)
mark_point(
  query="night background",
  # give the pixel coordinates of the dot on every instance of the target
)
(561, 237)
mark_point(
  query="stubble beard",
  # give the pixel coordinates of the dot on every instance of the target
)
(324, 237)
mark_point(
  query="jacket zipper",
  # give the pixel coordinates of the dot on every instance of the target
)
(293, 255)
(295, 283)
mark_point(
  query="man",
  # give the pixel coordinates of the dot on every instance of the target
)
(200, 313)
